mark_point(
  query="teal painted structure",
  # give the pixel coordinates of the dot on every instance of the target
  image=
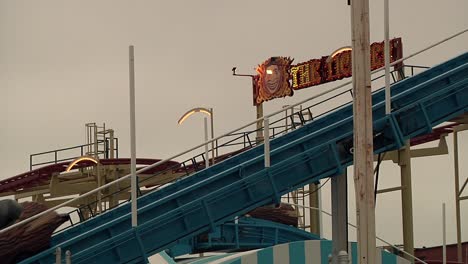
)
(301, 252)
(319, 149)
(244, 234)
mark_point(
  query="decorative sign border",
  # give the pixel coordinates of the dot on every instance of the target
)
(273, 80)
(287, 77)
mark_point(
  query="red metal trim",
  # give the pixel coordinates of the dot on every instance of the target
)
(435, 135)
(42, 175)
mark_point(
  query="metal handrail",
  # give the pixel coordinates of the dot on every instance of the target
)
(219, 137)
(57, 151)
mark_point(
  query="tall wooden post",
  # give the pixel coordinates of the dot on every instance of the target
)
(363, 145)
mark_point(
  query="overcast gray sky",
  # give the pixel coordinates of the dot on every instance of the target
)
(65, 63)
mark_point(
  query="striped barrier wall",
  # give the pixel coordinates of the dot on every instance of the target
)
(301, 252)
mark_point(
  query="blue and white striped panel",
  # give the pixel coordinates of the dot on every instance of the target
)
(162, 258)
(302, 252)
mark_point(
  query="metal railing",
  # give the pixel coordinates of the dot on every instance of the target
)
(269, 116)
(77, 149)
(197, 162)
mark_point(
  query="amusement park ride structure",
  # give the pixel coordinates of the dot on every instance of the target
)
(67, 177)
(181, 200)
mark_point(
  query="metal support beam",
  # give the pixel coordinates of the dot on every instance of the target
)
(388, 97)
(339, 192)
(399, 188)
(207, 158)
(133, 137)
(259, 138)
(463, 187)
(113, 172)
(363, 134)
(212, 137)
(314, 215)
(441, 149)
(457, 194)
(407, 199)
(444, 236)
(267, 142)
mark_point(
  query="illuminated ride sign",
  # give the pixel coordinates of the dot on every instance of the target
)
(273, 79)
(278, 78)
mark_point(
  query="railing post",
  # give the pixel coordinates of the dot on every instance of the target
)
(207, 159)
(212, 137)
(266, 138)
(68, 257)
(58, 255)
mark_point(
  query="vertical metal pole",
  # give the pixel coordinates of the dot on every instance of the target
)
(339, 192)
(133, 137)
(111, 144)
(319, 186)
(96, 146)
(207, 158)
(113, 189)
(444, 241)
(407, 200)
(388, 96)
(212, 137)
(68, 257)
(96, 156)
(58, 255)
(266, 139)
(259, 138)
(314, 215)
(363, 134)
(457, 194)
(99, 183)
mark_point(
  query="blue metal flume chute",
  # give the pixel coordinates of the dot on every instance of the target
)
(319, 149)
(248, 233)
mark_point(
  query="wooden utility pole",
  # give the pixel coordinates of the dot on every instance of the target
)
(363, 145)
